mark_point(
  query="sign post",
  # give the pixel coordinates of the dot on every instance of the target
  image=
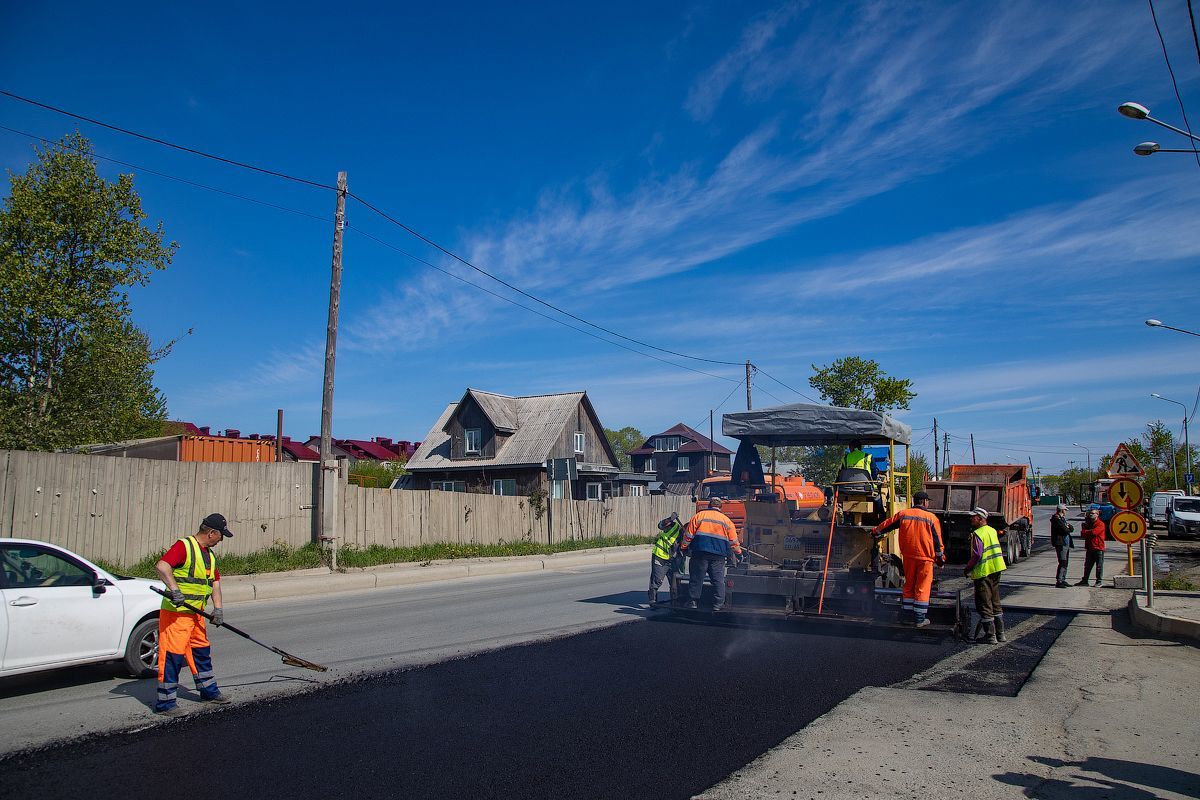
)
(1127, 525)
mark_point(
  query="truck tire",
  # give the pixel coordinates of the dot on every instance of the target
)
(141, 652)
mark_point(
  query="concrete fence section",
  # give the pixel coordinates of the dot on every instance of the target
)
(123, 509)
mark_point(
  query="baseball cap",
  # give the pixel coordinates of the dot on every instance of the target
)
(979, 512)
(1061, 507)
(715, 501)
(919, 496)
(217, 523)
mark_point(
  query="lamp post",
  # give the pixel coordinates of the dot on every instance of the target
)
(1155, 323)
(1089, 454)
(1187, 445)
(1139, 111)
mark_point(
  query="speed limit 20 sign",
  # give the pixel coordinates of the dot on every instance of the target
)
(1127, 527)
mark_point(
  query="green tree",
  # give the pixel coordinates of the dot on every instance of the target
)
(855, 382)
(622, 441)
(918, 468)
(74, 368)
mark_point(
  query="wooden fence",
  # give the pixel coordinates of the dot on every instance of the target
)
(123, 509)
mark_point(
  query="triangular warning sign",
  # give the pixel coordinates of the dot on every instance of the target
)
(1124, 465)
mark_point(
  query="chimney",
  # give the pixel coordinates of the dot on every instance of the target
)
(205, 430)
(254, 436)
(233, 433)
(383, 440)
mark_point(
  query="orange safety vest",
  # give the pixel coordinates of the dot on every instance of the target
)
(920, 533)
(711, 532)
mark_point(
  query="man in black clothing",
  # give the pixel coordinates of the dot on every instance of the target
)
(1060, 539)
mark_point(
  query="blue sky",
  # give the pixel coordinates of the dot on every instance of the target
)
(945, 188)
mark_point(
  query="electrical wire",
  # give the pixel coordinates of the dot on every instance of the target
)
(176, 178)
(1195, 36)
(165, 143)
(1174, 83)
(773, 397)
(784, 385)
(721, 405)
(509, 300)
(417, 234)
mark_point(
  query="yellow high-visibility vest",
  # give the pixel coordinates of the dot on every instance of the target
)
(195, 576)
(857, 459)
(992, 560)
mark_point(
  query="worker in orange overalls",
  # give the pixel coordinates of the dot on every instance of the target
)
(710, 538)
(921, 548)
(189, 569)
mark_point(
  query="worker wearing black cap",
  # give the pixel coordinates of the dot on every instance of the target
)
(920, 537)
(189, 569)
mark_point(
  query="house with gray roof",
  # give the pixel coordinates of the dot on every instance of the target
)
(489, 443)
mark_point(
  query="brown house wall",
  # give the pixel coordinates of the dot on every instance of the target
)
(471, 416)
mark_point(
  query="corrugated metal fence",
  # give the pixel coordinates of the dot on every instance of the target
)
(123, 509)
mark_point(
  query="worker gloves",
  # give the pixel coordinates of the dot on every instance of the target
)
(177, 597)
(218, 616)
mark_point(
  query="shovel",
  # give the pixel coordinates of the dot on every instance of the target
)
(288, 658)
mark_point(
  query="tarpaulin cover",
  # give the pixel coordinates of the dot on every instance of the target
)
(801, 424)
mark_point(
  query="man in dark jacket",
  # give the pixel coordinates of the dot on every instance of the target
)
(1061, 541)
(1093, 534)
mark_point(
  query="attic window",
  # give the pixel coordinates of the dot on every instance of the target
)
(474, 441)
(579, 441)
(666, 444)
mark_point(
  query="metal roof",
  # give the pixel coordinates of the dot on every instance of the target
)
(538, 423)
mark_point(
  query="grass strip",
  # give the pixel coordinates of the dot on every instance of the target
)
(281, 557)
(1174, 581)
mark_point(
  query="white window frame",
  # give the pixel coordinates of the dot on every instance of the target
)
(478, 448)
(649, 467)
(683, 464)
(599, 491)
(637, 490)
(666, 444)
(580, 442)
(498, 487)
(559, 490)
(449, 486)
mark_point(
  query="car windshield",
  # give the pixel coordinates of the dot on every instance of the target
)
(1188, 506)
(726, 490)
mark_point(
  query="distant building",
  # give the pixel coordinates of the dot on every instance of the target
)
(495, 444)
(379, 449)
(679, 457)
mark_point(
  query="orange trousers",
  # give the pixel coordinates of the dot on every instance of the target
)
(918, 580)
(179, 633)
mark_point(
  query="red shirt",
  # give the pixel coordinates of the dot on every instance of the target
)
(1093, 537)
(178, 554)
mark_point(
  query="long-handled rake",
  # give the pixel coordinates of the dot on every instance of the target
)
(288, 658)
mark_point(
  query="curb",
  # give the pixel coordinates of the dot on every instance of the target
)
(1160, 623)
(275, 585)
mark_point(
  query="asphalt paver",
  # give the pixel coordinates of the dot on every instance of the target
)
(658, 708)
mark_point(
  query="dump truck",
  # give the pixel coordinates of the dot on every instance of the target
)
(1000, 489)
(823, 562)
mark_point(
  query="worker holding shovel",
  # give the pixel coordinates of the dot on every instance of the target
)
(189, 569)
(666, 550)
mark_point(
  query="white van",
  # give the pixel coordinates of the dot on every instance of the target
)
(1158, 506)
(1183, 516)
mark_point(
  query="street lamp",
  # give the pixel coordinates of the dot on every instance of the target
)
(1187, 445)
(1157, 323)
(1139, 111)
(1089, 452)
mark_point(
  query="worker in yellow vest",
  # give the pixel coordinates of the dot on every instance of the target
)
(857, 458)
(663, 555)
(189, 569)
(984, 568)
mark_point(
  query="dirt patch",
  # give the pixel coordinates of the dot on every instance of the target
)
(1177, 560)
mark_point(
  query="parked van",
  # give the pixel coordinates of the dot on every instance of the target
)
(1158, 507)
(1183, 516)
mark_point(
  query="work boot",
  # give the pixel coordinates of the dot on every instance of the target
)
(173, 711)
(219, 699)
(690, 604)
(990, 631)
(1000, 637)
(1083, 582)
(922, 623)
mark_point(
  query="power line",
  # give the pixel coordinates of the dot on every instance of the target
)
(1195, 37)
(165, 143)
(555, 320)
(784, 385)
(149, 171)
(524, 293)
(721, 405)
(768, 394)
(1171, 72)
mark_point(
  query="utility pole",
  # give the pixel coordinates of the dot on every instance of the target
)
(279, 434)
(749, 405)
(327, 497)
(936, 468)
(945, 451)
(712, 453)
(973, 448)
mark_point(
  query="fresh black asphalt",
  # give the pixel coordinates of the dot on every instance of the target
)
(658, 708)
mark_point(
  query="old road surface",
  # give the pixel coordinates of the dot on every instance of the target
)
(603, 699)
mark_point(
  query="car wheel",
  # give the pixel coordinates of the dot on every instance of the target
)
(141, 653)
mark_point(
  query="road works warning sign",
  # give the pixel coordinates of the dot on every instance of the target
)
(1124, 465)
(1125, 493)
(1127, 527)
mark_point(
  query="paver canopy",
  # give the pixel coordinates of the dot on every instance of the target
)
(804, 425)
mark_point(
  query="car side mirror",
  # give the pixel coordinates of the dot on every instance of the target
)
(99, 585)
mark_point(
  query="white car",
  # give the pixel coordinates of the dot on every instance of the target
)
(1183, 516)
(61, 610)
